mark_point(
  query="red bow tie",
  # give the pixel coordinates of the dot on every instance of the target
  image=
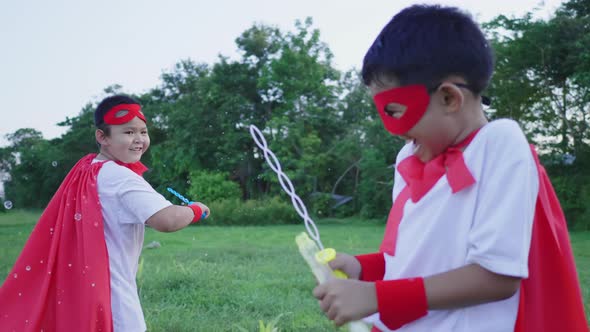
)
(421, 177)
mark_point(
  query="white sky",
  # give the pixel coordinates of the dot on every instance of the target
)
(56, 56)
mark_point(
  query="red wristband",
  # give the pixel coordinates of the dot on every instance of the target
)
(197, 211)
(372, 266)
(401, 301)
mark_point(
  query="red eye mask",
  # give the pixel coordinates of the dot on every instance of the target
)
(414, 97)
(132, 110)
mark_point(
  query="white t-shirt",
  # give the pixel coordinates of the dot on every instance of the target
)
(488, 223)
(127, 201)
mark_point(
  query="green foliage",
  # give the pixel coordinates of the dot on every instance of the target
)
(570, 195)
(583, 220)
(313, 118)
(209, 187)
(375, 188)
(37, 174)
(320, 122)
(542, 80)
(542, 73)
(572, 186)
(271, 211)
(321, 205)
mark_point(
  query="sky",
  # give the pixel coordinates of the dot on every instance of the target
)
(57, 56)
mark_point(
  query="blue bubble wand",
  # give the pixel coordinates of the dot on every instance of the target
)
(184, 199)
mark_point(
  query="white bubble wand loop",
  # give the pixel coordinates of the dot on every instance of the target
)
(285, 182)
(314, 253)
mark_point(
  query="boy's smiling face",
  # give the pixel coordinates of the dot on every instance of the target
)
(436, 120)
(127, 142)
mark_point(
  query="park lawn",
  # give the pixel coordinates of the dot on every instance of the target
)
(208, 278)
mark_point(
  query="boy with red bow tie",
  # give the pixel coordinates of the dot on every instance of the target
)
(77, 270)
(475, 239)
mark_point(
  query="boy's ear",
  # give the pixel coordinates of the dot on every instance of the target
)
(452, 97)
(101, 137)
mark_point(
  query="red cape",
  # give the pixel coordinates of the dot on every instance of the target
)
(550, 299)
(61, 280)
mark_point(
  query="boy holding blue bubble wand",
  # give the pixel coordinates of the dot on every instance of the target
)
(77, 270)
(475, 239)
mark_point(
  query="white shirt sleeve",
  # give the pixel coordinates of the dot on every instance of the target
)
(134, 194)
(500, 236)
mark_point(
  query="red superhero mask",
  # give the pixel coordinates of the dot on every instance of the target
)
(123, 113)
(414, 97)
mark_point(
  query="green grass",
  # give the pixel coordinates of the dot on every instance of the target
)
(581, 247)
(208, 278)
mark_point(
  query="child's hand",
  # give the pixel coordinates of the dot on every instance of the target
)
(204, 208)
(346, 300)
(347, 264)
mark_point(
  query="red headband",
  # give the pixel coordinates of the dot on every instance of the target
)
(133, 110)
(414, 97)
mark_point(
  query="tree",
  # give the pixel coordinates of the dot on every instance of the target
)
(541, 76)
(543, 81)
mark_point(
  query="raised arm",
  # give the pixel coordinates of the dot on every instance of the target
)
(176, 217)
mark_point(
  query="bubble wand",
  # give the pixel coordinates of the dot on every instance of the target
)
(312, 251)
(185, 200)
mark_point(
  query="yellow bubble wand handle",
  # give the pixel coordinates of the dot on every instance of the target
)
(326, 256)
(316, 260)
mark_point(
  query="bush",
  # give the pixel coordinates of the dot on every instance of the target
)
(272, 211)
(573, 190)
(582, 221)
(374, 191)
(568, 193)
(208, 187)
(346, 210)
(321, 205)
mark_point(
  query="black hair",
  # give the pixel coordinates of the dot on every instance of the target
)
(424, 44)
(108, 103)
(104, 106)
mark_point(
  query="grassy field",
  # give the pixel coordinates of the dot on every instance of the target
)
(208, 278)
